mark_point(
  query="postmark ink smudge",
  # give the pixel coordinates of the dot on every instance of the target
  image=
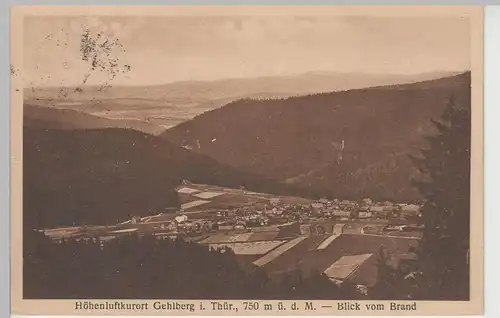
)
(101, 53)
(13, 70)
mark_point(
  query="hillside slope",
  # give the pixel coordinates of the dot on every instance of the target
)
(298, 139)
(106, 175)
(48, 117)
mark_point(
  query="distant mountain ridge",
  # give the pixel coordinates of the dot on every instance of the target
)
(170, 104)
(297, 139)
(307, 83)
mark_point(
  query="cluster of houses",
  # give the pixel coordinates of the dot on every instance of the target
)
(263, 209)
(269, 212)
(277, 212)
(345, 209)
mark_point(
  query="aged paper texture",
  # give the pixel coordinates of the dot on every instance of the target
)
(247, 160)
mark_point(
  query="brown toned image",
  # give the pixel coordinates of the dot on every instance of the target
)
(247, 160)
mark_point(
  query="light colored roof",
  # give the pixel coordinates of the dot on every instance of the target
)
(181, 218)
(346, 266)
(187, 190)
(208, 195)
(125, 231)
(193, 204)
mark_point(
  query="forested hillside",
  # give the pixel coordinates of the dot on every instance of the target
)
(299, 139)
(104, 176)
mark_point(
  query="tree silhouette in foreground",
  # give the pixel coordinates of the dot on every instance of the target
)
(149, 268)
(445, 165)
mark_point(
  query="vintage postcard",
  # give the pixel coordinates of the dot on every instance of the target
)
(218, 160)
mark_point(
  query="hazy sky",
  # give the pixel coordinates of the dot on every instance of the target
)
(166, 49)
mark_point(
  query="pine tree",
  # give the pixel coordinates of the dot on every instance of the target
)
(445, 167)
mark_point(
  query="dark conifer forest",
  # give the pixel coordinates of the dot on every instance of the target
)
(149, 268)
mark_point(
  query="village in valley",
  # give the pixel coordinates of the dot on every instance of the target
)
(262, 162)
(340, 238)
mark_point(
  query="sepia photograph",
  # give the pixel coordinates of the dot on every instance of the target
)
(227, 154)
